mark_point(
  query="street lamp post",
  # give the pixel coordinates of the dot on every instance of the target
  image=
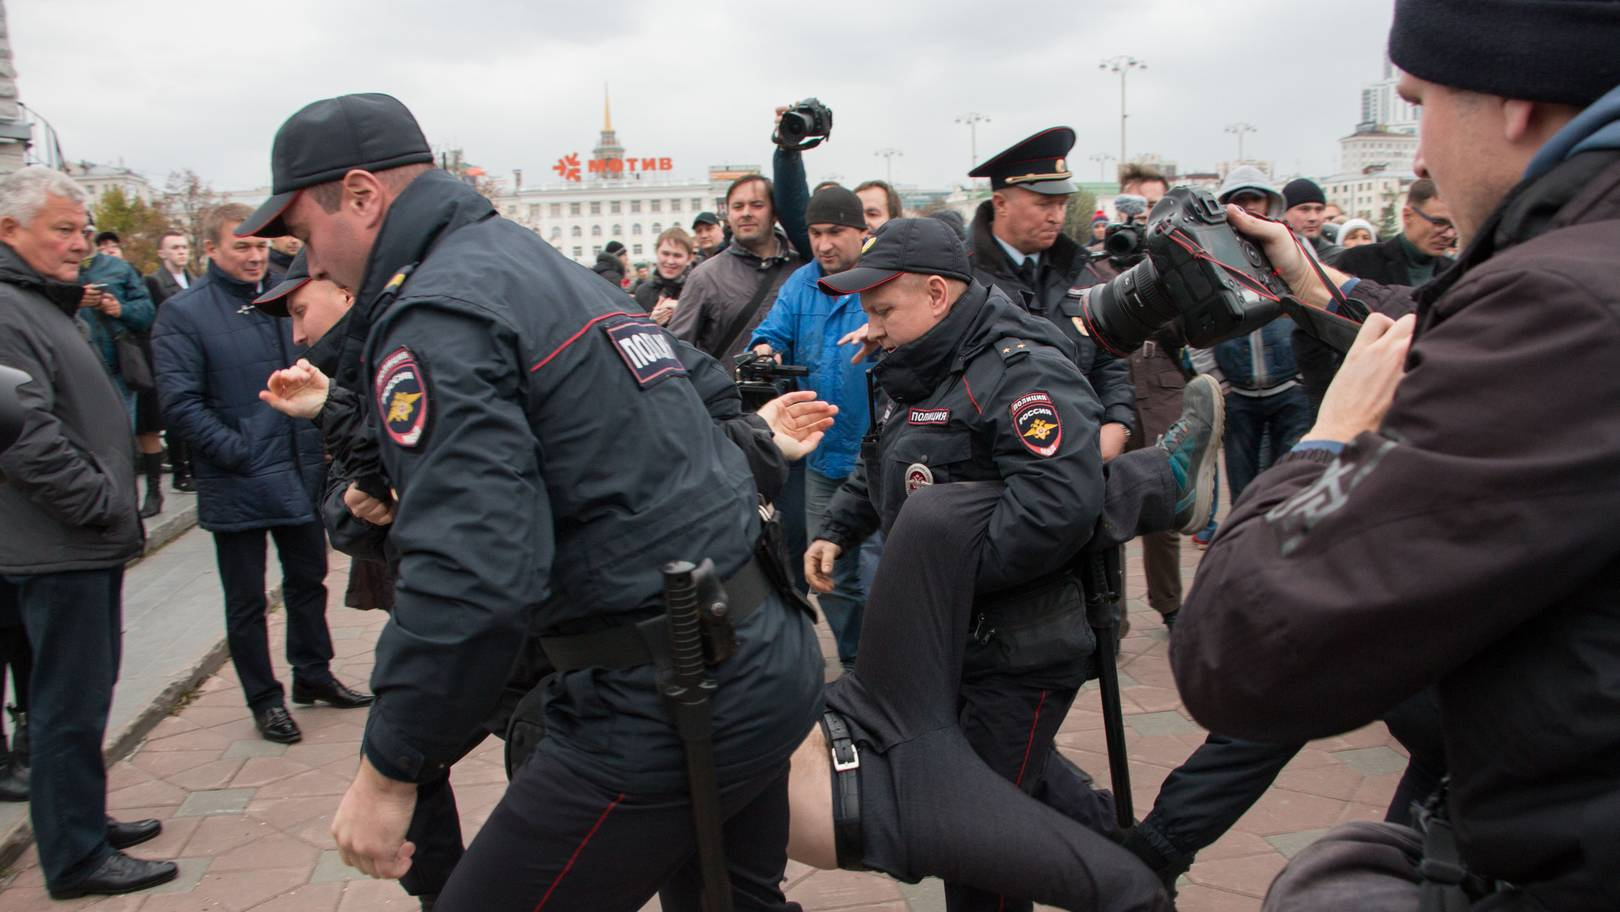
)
(888, 153)
(1102, 159)
(1122, 64)
(973, 119)
(1239, 129)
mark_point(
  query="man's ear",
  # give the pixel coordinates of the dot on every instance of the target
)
(1517, 118)
(363, 192)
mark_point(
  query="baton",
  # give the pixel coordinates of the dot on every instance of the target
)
(1102, 602)
(686, 695)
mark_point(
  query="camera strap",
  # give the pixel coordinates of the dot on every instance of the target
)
(740, 320)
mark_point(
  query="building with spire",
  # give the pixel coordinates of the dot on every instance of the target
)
(14, 129)
(608, 151)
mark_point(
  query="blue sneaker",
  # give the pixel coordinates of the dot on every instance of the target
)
(1194, 444)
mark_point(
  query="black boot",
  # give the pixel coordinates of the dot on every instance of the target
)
(180, 458)
(153, 505)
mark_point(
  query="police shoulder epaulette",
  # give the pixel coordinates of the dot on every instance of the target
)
(1012, 348)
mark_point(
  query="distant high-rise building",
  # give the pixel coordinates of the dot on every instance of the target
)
(14, 129)
(1384, 110)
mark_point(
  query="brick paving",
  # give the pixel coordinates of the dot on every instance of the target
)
(249, 821)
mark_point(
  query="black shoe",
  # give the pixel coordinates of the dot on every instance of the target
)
(153, 504)
(122, 835)
(14, 783)
(120, 874)
(333, 692)
(276, 725)
(184, 484)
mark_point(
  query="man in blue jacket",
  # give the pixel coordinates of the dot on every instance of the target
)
(257, 470)
(803, 327)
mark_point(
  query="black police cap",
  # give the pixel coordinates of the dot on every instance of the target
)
(705, 218)
(329, 138)
(274, 301)
(1039, 163)
(924, 246)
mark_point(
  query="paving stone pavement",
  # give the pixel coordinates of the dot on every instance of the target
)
(249, 820)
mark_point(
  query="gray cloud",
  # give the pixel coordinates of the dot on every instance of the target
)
(204, 84)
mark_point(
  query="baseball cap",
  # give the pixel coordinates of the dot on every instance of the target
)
(705, 218)
(274, 301)
(329, 138)
(925, 246)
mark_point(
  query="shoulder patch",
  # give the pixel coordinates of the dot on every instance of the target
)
(929, 416)
(1036, 421)
(402, 397)
(646, 350)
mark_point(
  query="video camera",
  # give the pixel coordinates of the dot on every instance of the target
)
(805, 125)
(1197, 270)
(760, 379)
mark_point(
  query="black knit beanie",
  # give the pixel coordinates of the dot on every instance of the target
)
(1564, 51)
(1302, 190)
(835, 206)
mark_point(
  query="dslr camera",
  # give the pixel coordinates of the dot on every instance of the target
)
(805, 125)
(1197, 270)
(760, 379)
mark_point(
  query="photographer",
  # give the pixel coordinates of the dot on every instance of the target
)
(1410, 539)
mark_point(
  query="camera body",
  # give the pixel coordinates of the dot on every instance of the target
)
(805, 125)
(1196, 269)
(760, 379)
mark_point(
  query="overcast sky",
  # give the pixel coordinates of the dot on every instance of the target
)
(203, 84)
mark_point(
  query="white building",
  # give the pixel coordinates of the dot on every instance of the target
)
(1382, 107)
(1369, 196)
(580, 218)
(1375, 162)
(1373, 149)
(98, 179)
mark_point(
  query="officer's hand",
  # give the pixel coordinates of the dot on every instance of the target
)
(299, 391)
(818, 564)
(366, 507)
(1360, 395)
(859, 336)
(798, 421)
(1287, 254)
(1112, 439)
(371, 821)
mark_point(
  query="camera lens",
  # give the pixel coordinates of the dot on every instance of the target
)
(1128, 309)
(1122, 241)
(795, 126)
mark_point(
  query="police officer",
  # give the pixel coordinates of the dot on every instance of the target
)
(550, 455)
(976, 389)
(1016, 243)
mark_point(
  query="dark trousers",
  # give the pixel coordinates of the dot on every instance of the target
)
(241, 555)
(14, 652)
(435, 830)
(1161, 565)
(559, 842)
(74, 623)
(1283, 417)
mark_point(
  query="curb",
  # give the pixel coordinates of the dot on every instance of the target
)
(122, 743)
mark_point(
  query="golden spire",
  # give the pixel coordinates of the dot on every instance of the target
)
(607, 111)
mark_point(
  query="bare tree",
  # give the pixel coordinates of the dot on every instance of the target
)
(187, 199)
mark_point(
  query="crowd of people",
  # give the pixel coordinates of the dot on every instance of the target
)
(515, 450)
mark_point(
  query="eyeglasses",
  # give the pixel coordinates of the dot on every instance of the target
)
(1441, 224)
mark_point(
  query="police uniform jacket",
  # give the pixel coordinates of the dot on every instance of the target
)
(550, 455)
(1065, 269)
(989, 394)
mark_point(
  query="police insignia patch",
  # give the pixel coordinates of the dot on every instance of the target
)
(1036, 420)
(647, 351)
(918, 476)
(402, 397)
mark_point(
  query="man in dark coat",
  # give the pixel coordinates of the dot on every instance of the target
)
(257, 471)
(1016, 243)
(67, 508)
(1449, 521)
(611, 264)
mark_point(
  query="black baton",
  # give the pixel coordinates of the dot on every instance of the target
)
(686, 694)
(1102, 613)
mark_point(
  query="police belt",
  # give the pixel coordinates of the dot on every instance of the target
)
(625, 645)
(846, 791)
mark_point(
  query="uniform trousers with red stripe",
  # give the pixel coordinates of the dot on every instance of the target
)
(559, 842)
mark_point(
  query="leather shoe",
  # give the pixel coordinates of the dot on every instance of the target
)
(333, 692)
(122, 835)
(120, 873)
(275, 724)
